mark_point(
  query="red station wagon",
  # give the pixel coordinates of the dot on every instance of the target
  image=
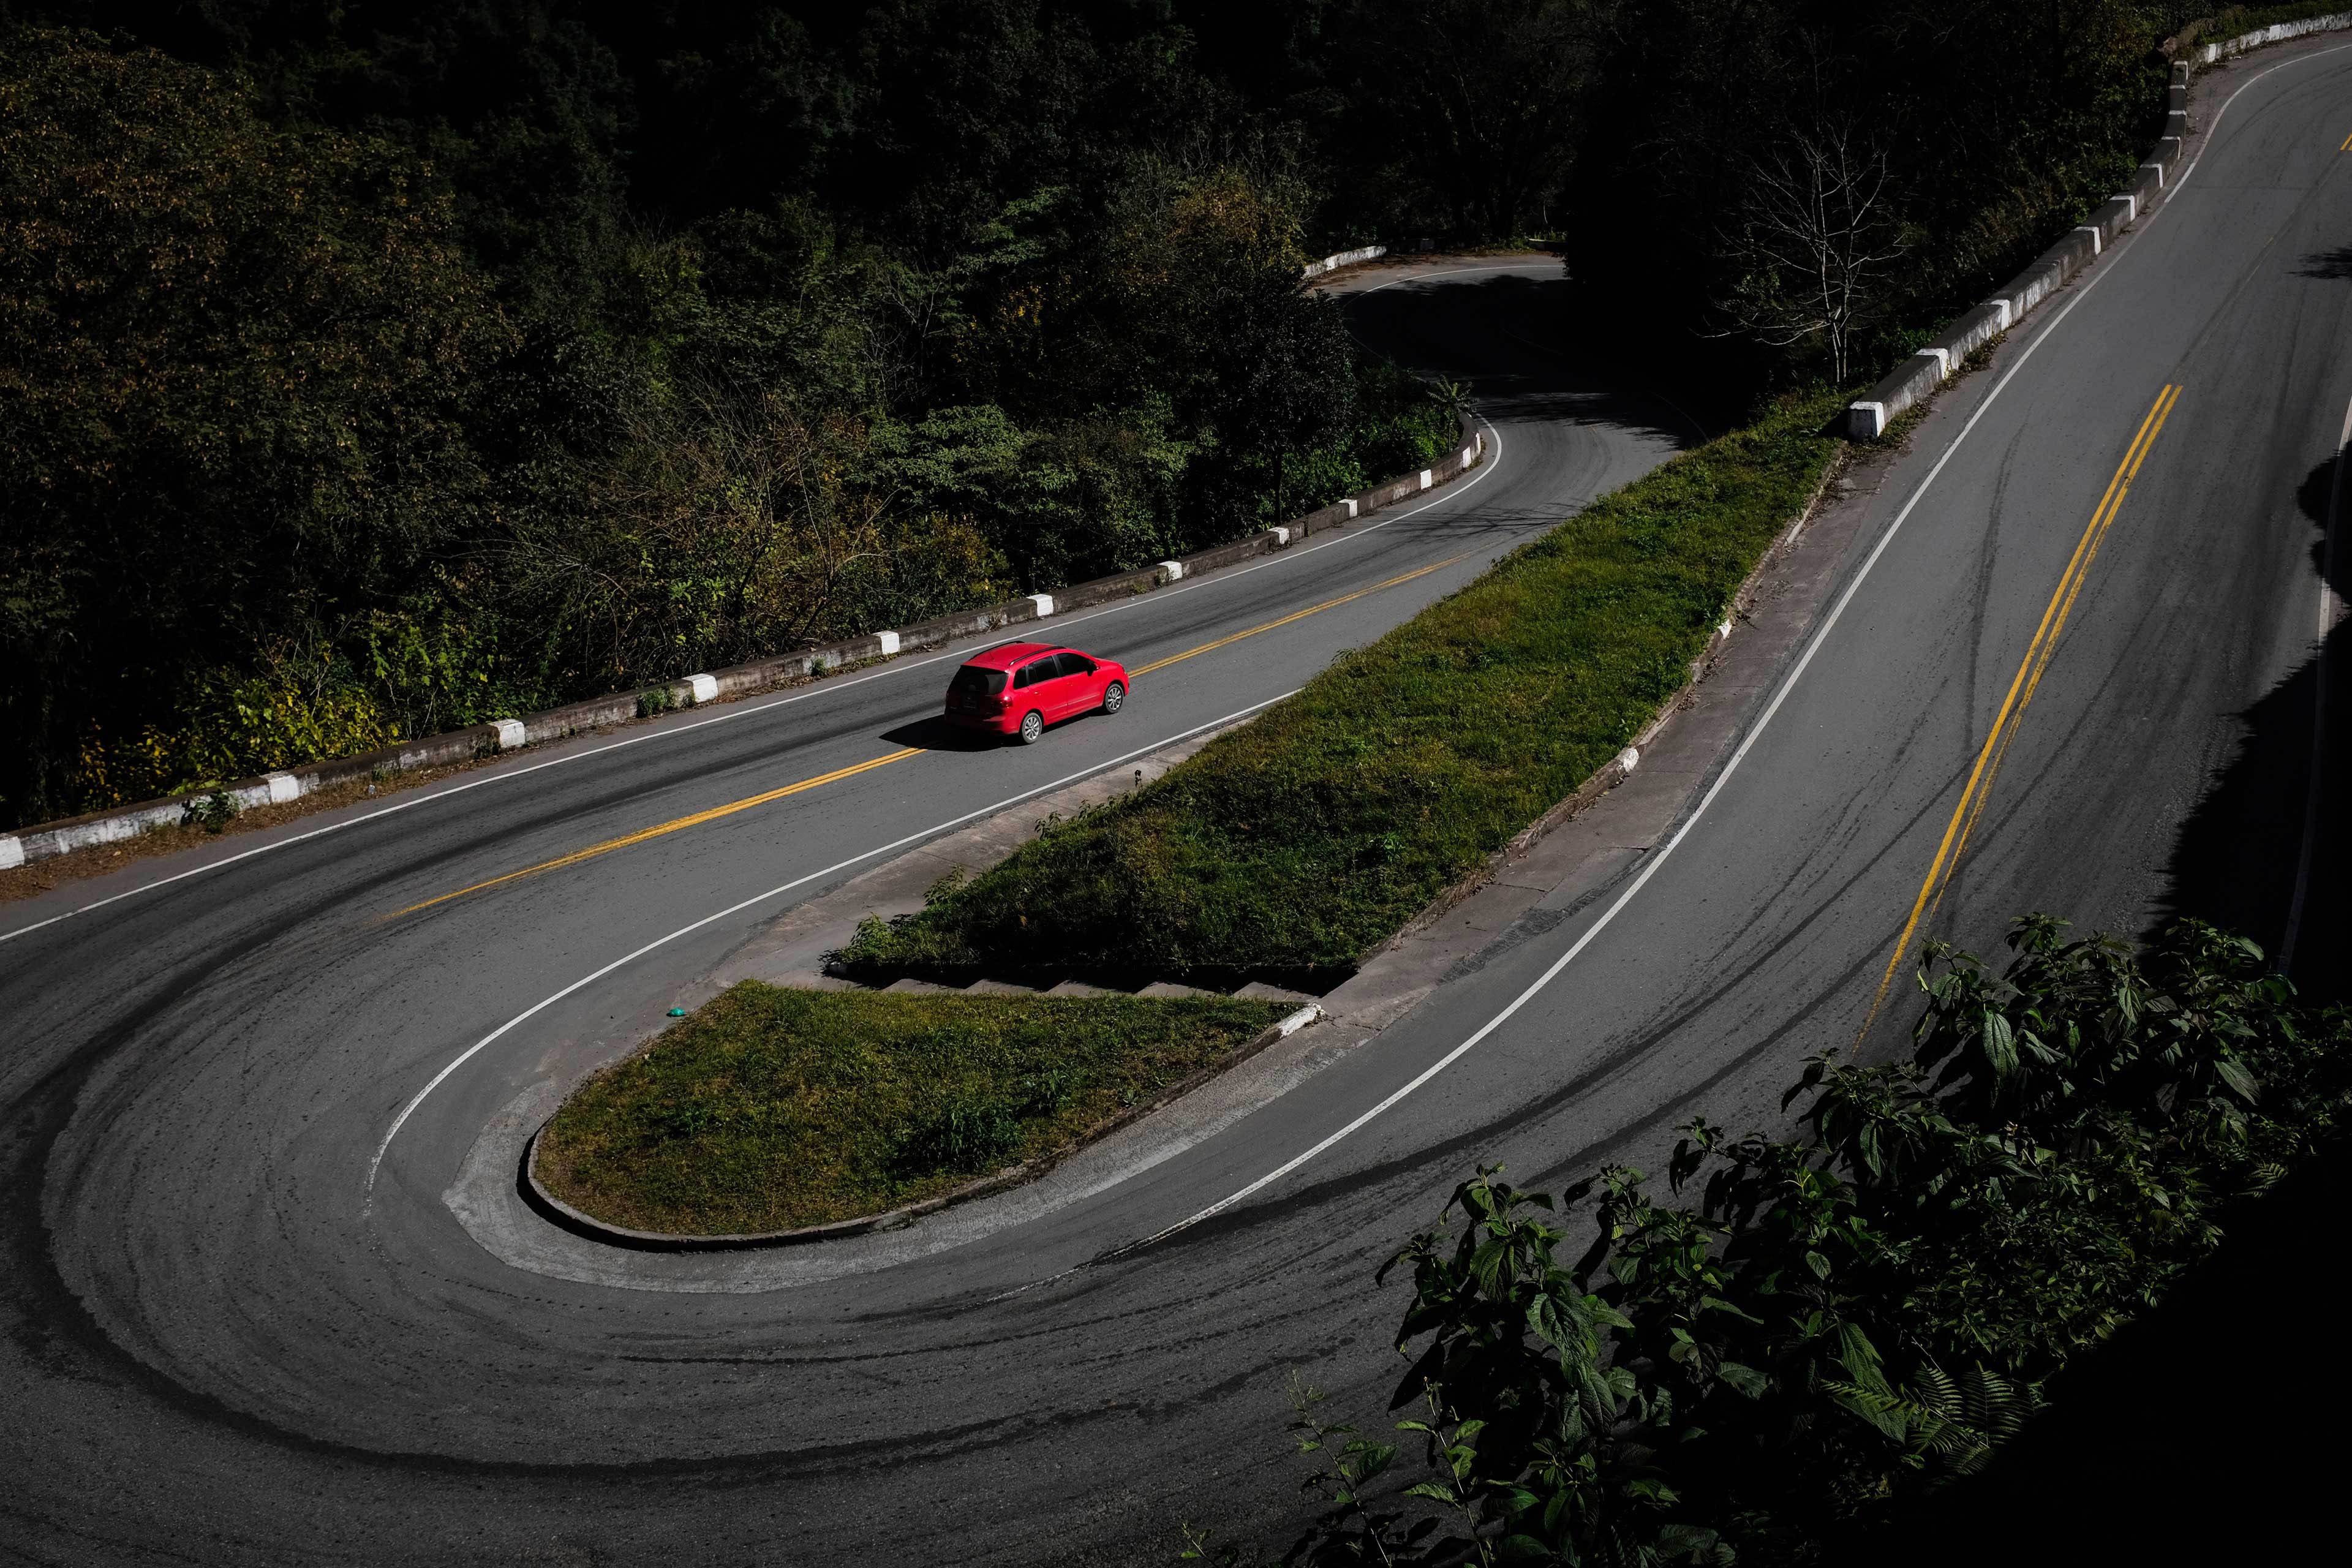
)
(1022, 687)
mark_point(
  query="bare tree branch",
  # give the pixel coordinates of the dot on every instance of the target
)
(1816, 234)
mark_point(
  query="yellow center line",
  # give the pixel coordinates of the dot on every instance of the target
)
(716, 812)
(2022, 687)
(713, 815)
(2347, 145)
(1297, 616)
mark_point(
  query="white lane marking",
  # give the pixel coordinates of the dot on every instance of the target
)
(1089, 772)
(748, 709)
(1650, 867)
(2330, 610)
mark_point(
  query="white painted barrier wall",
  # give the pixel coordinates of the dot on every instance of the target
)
(1333, 262)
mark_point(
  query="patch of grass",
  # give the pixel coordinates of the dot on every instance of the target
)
(1299, 841)
(769, 1108)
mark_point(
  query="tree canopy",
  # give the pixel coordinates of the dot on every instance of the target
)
(380, 365)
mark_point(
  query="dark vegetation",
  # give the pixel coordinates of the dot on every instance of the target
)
(768, 1109)
(372, 369)
(1292, 845)
(1845, 1321)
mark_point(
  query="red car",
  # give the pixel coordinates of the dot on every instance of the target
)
(1022, 687)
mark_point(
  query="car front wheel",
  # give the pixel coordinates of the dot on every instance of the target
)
(1114, 697)
(1032, 726)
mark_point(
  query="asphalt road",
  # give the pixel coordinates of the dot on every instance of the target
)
(224, 1345)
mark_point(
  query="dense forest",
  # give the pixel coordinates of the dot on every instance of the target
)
(370, 369)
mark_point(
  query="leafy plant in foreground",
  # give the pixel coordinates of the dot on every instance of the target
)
(1849, 1315)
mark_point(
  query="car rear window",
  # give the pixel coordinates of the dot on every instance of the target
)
(973, 681)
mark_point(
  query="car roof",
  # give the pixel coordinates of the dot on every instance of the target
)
(1010, 654)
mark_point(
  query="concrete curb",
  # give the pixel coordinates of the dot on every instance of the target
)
(482, 740)
(1918, 378)
(558, 1212)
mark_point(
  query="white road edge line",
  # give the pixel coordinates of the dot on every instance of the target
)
(746, 711)
(2329, 610)
(468, 1055)
(1812, 647)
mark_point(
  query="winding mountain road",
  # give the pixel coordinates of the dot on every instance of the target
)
(2062, 669)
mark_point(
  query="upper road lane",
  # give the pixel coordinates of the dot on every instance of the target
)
(215, 1355)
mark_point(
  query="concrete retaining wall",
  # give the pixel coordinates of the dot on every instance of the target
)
(1338, 260)
(508, 735)
(1915, 378)
(2334, 21)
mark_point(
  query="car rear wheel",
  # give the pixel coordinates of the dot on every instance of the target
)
(1114, 698)
(1033, 727)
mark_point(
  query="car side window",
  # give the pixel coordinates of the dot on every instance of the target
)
(1076, 664)
(1025, 676)
(1037, 671)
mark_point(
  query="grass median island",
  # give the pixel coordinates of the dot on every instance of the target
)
(769, 1108)
(1298, 842)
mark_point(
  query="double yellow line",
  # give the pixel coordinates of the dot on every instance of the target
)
(674, 825)
(1300, 614)
(1963, 825)
(716, 812)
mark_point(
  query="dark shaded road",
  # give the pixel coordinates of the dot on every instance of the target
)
(225, 1347)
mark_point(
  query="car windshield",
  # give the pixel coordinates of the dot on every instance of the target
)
(973, 681)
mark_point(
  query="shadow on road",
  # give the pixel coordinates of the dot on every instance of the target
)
(2207, 1431)
(1519, 342)
(2237, 860)
(936, 734)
